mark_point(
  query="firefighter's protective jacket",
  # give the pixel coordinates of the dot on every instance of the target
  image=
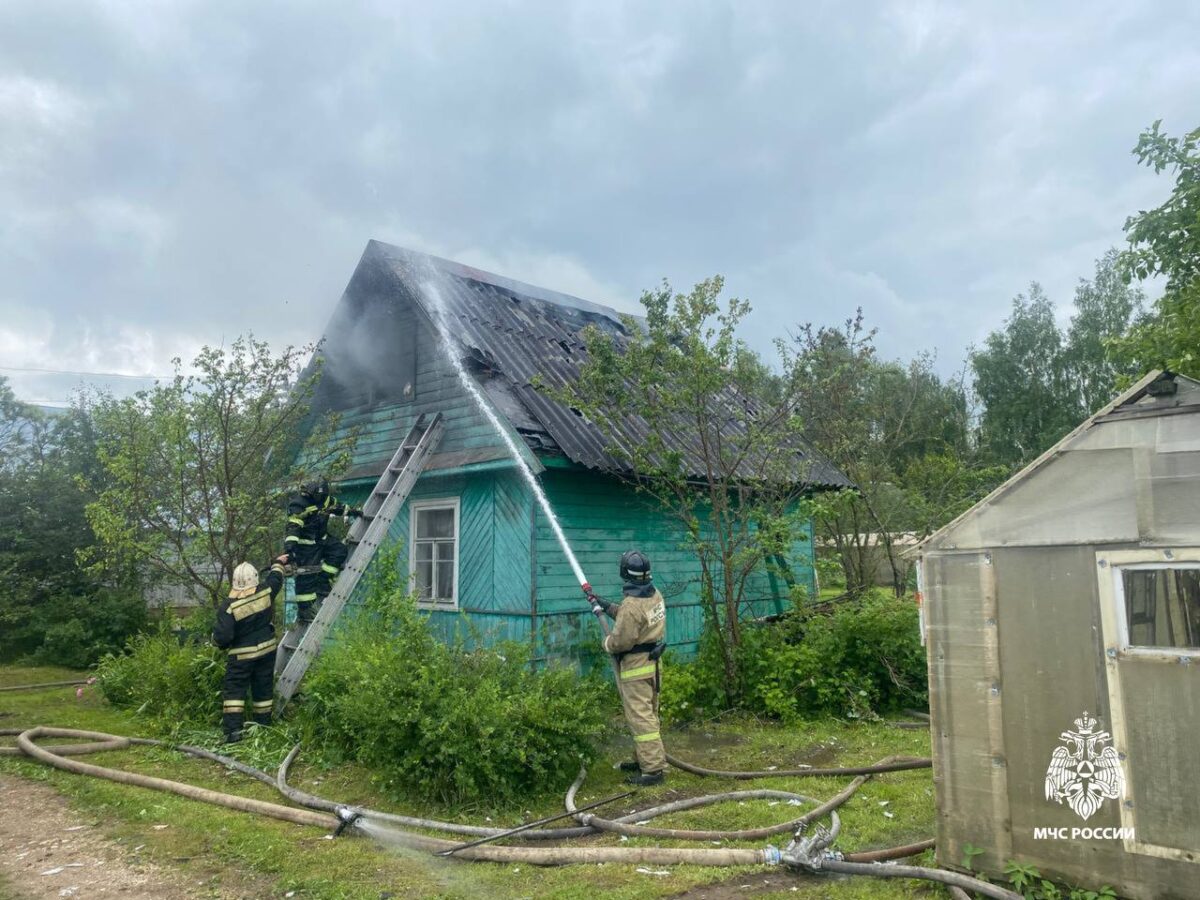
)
(308, 522)
(244, 625)
(641, 623)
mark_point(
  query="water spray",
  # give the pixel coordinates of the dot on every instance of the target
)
(431, 291)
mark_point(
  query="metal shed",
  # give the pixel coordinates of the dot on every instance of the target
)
(1062, 619)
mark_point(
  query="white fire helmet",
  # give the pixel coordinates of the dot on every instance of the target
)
(245, 581)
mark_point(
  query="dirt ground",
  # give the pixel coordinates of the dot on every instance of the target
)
(47, 850)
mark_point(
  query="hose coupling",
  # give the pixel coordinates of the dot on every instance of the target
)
(347, 816)
(810, 853)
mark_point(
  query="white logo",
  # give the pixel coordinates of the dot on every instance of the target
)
(1082, 771)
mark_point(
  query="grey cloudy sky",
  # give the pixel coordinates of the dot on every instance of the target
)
(176, 173)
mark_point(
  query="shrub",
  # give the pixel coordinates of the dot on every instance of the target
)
(859, 658)
(79, 630)
(171, 679)
(444, 722)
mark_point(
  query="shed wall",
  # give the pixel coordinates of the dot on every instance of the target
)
(1123, 483)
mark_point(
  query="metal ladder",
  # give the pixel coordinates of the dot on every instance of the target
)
(301, 644)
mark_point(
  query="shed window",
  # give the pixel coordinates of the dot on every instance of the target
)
(434, 556)
(1162, 606)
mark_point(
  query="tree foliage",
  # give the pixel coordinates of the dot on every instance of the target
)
(194, 467)
(1035, 382)
(1105, 307)
(53, 608)
(741, 498)
(1022, 383)
(1165, 242)
(879, 422)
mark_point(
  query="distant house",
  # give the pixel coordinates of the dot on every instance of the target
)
(1063, 634)
(497, 561)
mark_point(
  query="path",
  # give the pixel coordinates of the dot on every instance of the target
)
(48, 850)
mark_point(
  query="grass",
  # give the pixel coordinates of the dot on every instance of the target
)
(258, 857)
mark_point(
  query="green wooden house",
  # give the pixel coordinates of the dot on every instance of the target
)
(471, 535)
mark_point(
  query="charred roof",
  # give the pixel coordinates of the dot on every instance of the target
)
(509, 333)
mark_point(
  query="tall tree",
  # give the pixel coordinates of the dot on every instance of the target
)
(874, 420)
(740, 499)
(53, 608)
(1105, 307)
(195, 466)
(1165, 241)
(1022, 381)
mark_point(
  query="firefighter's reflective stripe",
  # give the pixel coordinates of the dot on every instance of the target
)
(639, 672)
(298, 540)
(263, 705)
(296, 520)
(305, 598)
(642, 738)
(241, 653)
(233, 705)
(328, 569)
(255, 603)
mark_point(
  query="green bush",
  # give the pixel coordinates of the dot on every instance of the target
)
(171, 679)
(78, 631)
(443, 722)
(857, 659)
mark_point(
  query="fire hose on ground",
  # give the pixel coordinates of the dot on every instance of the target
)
(806, 853)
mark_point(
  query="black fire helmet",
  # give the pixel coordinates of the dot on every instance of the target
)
(318, 489)
(635, 567)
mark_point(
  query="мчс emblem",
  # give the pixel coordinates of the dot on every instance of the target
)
(1083, 772)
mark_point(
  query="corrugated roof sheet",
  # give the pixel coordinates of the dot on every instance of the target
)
(512, 332)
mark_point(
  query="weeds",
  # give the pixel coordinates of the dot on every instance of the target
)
(172, 680)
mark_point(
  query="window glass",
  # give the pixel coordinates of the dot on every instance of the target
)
(435, 523)
(434, 553)
(1162, 607)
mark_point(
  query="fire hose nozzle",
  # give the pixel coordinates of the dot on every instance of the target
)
(347, 816)
(587, 588)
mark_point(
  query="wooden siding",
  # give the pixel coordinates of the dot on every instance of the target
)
(505, 543)
(469, 438)
(602, 518)
(494, 557)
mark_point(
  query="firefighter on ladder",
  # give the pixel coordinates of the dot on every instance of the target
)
(244, 628)
(637, 642)
(318, 558)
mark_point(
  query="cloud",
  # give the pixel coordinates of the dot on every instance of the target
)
(183, 173)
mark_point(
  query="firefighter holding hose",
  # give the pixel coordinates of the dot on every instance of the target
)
(636, 643)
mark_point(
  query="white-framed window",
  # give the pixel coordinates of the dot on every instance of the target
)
(1155, 595)
(433, 551)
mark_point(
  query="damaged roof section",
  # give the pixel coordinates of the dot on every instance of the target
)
(511, 333)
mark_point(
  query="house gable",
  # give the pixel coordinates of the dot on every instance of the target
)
(383, 366)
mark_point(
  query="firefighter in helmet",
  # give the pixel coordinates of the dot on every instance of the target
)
(637, 641)
(318, 557)
(244, 628)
